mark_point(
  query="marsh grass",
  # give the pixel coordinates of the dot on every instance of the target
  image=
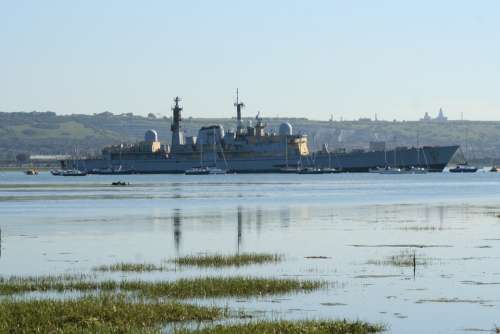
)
(219, 260)
(130, 267)
(291, 327)
(204, 287)
(98, 314)
(403, 259)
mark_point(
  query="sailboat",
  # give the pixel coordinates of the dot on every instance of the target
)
(287, 168)
(464, 167)
(206, 170)
(330, 169)
(387, 169)
(69, 172)
(417, 169)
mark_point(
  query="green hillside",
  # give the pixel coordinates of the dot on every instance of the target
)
(48, 133)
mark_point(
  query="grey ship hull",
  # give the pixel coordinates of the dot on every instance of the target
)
(433, 158)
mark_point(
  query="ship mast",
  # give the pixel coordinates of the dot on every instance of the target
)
(238, 106)
(177, 135)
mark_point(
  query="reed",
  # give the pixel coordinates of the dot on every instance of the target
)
(403, 259)
(292, 327)
(203, 287)
(219, 260)
(129, 267)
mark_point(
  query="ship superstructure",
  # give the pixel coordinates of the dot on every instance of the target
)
(247, 149)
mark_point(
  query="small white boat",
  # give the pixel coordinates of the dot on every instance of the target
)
(387, 170)
(311, 170)
(56, 172)
(417, 170)
(73, 172)
(329, 170)
(205, 170)
(111, 171)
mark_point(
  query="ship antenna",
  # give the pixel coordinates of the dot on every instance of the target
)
(238, 106)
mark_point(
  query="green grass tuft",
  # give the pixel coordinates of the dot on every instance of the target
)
(183, 288)
(97, 314)
(219, 260)
(292, 327)
(403, 259)
(129, 267)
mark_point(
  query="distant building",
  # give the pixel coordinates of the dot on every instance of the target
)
(440, 117)
(426, 118)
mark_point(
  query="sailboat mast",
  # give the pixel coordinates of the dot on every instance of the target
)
(395, 160)
(286, 151)
(201, 154)
(215, 152)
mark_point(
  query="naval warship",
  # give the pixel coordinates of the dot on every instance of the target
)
(250, 149)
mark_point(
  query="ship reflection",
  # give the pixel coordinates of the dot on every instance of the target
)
(247, 220)
(177, 220)
(240, 222)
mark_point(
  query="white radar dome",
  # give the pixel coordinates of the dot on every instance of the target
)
(151, 136)
(285, 129)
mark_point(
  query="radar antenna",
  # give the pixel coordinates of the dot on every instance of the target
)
(177, 114)
(238, 106)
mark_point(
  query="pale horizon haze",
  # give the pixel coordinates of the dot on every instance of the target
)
(352, 59)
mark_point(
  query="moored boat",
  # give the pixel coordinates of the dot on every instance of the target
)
(32, 171)
(205, 170)
(387, 170)
(56, 172)
(73, 172)
(311, 170)
(463, 168)
(417, 170)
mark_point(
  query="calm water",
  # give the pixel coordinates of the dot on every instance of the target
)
(62, 224)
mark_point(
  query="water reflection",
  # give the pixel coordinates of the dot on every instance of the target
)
(177, 220)
(246, 219)
(240, 222)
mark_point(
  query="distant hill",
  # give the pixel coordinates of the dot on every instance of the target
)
(48, 133)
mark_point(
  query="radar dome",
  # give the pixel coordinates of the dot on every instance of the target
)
(151, 136)
(285, 129)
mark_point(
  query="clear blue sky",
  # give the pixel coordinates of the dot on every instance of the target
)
(352, 58)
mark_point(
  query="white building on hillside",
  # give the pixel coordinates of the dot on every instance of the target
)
(440, 117)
